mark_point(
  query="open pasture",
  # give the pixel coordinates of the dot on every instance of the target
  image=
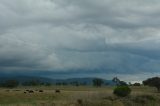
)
(77, 96)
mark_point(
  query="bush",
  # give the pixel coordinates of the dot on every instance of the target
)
(122, 91)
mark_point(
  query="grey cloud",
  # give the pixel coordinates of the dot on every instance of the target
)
(62, 35)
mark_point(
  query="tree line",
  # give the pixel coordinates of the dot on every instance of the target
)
(97, 82)
(14, 83)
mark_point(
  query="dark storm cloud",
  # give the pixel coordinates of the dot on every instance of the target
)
(120, 37)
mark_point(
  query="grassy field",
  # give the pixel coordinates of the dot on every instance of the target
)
(77, 96)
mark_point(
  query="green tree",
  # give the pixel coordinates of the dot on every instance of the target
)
(35, 82)
(11, 83)
(118, 82)
(97, 82)
(48, 84)
(122, 83)
(75, 83)
(136, 84)
(155, 82)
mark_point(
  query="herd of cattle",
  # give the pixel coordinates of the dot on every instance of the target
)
(32, 91)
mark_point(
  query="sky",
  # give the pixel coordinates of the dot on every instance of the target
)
(81, 38)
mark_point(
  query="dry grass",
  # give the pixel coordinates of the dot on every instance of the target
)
(78, 96)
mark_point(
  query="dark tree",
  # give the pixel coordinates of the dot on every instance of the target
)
(155, 82)
(83, 83)
(130, 84)
(118, 82)
(32, 83)
(11, 83)
(122, 83)
(97, 82)
(75, 83)
(58, 83)
(64, 83)
(136, 84)
(48, 84)
(115, 79)
(35, 82)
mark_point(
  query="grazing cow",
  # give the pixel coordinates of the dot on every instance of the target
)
(31, 91)
(16, 90)
(57, 91)
(79, 101)
(40, 90)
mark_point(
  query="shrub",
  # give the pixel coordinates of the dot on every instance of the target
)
(122, 91)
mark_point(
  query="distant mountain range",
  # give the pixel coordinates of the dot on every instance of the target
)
(84, 81)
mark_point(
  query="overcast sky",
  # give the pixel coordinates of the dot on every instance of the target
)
(101, 38)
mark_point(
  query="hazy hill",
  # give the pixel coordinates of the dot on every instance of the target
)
(84, 81)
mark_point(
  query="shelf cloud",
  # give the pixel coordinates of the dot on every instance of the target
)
(109, 36)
